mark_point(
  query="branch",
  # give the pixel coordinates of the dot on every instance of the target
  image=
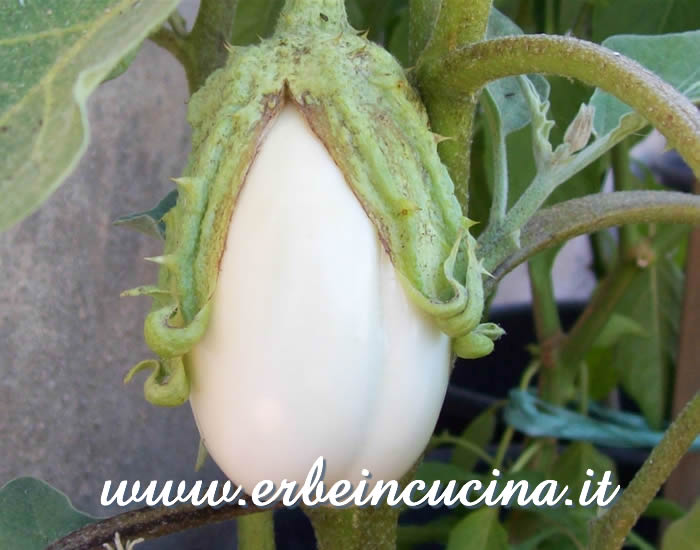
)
(177, 46)
(466, 70)
(150, 523)
(591, 213)
(206, 43)
(457, 23)
(609, 531)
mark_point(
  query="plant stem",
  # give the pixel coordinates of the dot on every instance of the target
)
(353, 528)
(683, 485)
(526, 456)
(496, 144)
(503, 447)
(609, 531)
(590, 323)
(591, 213)
(496, 243)
(459, 442)
(307, 13)
(547, 326)
(149, 523)
(457, 24)
(256, 531)
(422, 15)
(464, 71)
(455, 120)
(207, 41)
(624, 181)
(177, 46)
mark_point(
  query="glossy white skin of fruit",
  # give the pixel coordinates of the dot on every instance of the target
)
(313, 348)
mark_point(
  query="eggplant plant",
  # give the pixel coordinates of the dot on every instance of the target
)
(361, 179)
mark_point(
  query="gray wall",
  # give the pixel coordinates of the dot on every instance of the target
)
(66, 337)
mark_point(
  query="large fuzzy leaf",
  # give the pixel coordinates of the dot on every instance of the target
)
(645, 362)
(33, 514)
(506, 92)
(660, 16)
(53, 54)
(673, 57)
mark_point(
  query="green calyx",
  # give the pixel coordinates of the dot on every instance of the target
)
(355, 97)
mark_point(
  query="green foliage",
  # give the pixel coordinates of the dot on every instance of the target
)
(480, 530)
(479, 432)
(33, 514)
(669, 56)
(659, 17)
(602, 378)
(645, 362)
(684, 533)
(53, 54)
(254, 20)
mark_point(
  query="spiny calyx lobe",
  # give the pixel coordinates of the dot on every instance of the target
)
(355, 97)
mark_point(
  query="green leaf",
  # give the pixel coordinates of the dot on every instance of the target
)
(617, 327)
(534, 542)
(479, 432)
(33, 514)
(53, 54)
(375, 17)
(660, 17)
(602, 376)
(684, 534)
(664, 508)
(150, 222)
(254, 20)
(506, 92)
(570, 468)
(645, 362)
(124, 64)
(431, 471)
(397, 42)
(437, 530)
(669, 56)
(479, 530)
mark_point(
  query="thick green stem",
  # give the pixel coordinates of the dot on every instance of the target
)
(321, 14)
(422, 15)
(206, 44)
(547, 325)
(257, 531)
(457, 23)
(454, 119)
(496, 243)
(466, 70)
(591, 213)
(496, 143)
(369, 528)
(624, 181)
(609, 531)
(177, 46)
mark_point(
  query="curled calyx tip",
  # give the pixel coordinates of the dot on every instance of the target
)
(167, 386)
(479, 342)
